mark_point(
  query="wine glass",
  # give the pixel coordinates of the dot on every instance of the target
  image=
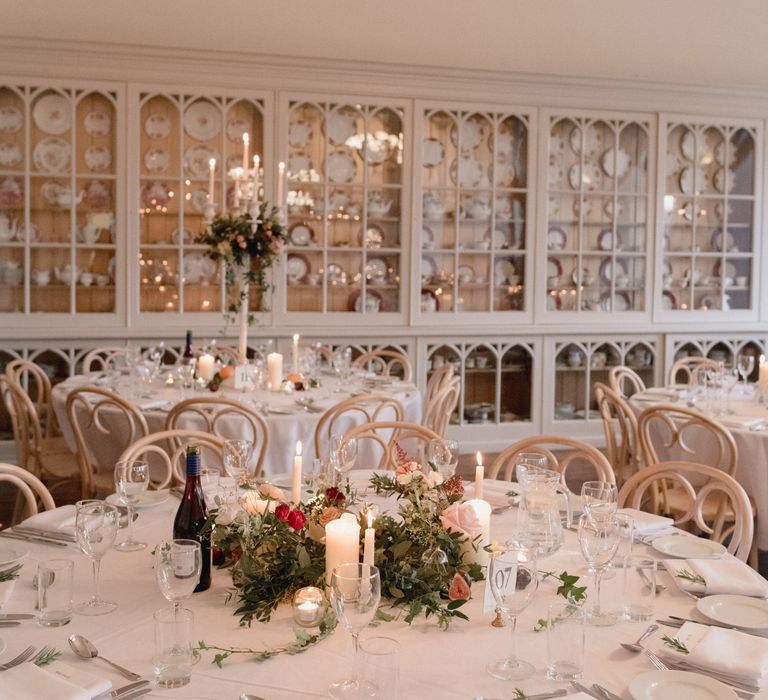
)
(729, 380)
(599, 496)
(599, 539)
(746, 365)
(237, 454)
(513, 579)
(343, 454)
(178, 564)
(444, 454)
(355, 595)
(96, 528)
(131, 480)
(342, 361)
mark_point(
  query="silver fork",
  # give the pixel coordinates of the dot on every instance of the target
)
(41, 654)
(662, 666)
(20, 659)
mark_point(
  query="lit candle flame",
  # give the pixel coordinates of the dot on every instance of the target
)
(298, 448)
(479, 457)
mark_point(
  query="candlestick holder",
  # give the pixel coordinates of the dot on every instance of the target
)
(209, 213)
(308, 606)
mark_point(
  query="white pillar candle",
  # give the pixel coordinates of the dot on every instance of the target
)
(483, 512)
(296, 353)
(342, 543)
(296, 490)
(205, 367)
(246, 151)
(256, 178)
(275, 369)
(762, 379)
(479, 476)
(280, 185)
(370, 540)
(211, 176)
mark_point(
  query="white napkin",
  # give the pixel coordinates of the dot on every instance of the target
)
(647, 523)
(658, 392)
(741, 422)
(742, 656)
(59, 681)
(725, 575)
(153, 403)
(494, 492)
(60, 519)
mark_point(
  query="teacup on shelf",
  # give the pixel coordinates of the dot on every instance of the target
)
(741, 281)
(86, 279)
(41, 277)
(102, 280)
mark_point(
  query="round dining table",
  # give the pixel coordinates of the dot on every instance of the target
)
(290, 417)
(444, 665)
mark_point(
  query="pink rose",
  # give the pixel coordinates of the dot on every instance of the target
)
(461, 517)
(270, 491)
(407, 471)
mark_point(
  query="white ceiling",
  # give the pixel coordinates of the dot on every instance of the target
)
(709, 42)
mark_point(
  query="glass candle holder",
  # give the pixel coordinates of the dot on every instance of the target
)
(308, 606)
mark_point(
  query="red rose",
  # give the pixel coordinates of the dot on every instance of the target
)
(334, 495)
(282, 511)
(296, 519)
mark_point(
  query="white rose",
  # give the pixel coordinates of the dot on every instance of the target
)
(434, 479)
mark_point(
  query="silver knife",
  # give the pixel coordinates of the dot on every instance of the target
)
(683, 620)
(605, 692)
(9, 623)
(552, 694)
(586, 690)
(24, 530)
(16, 616)
(135, 694)
(119, 692)
(32, 538)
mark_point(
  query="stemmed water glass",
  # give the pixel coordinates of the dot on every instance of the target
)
(343, 454)
(131, 480)
(599, 496)
(178, 564)
(342, 362)
(96, 525)
(513, 579)
(237, 454)
(729, 380)
(444, 454)
(599, 539)
(746, 366)
(355, 595)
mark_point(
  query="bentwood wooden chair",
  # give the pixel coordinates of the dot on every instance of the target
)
(438, 379)
(32, 493)
(386, 363)
(440, 406)
(625, 381)
(102, 359)
(705, 488)
(102, 421)
(622, 445)
(31, 379)
(225, 418)
(387, 435)
(562, 453)
(684, 370)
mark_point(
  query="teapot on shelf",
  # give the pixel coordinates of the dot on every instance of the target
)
(433, 206)
(478, 208)
(8, 227)
(67, 199)
(87, 233)
(66, 273)
(377, 205)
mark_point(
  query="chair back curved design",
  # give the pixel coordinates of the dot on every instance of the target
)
(31, 379)
(441, 405)
(166, 453)
(352, 411)
(387, 435)
(386, 363)
(102, 359)
(225, 418)
(575, 455)
(438, 379)
(717, 486)
(100, 419)
(625, 381)
(31, 490)
(684, 370)
(622, 445)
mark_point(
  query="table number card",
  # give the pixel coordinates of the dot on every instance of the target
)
(242, 380)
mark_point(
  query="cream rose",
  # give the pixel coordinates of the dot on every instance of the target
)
(461, 517)
(406, 472)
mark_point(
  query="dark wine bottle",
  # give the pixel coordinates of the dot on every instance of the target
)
(187, 355)
(191, 515)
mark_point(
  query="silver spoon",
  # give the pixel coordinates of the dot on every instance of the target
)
(248, 696)
(85, 650)
(637, 646)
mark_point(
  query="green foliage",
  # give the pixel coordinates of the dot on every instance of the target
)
(690, 576)
(10, 574)
(49, 657)
(568, 588)
(675, 643)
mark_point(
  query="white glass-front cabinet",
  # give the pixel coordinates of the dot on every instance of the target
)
(346, 207)
(708, 218)
(721, 348)
(59, 160)
(595, 255)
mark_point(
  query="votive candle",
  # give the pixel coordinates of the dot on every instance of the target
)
(275, 369)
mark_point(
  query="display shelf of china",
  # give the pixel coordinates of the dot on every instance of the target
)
(580, 362)
(721, 348)
(595, 254)
(179, 136)
(709, 209)
(344, 207)
(58, 165)
(473, 168)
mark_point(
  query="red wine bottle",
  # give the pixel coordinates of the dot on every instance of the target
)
(187, 356)
(191, 515)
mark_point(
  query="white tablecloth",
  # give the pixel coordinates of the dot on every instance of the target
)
(434, 664)
(752, 467)
(284, 430)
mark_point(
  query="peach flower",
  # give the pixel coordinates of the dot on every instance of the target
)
(407, 472)
(461, 517)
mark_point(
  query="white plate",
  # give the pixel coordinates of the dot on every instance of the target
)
(298, 162)
(504, 173)
(621, 162)
(340, 126)
(297, 267)
(503, 270)
(340, 167)
(338, 199)
(687, 183)
(196, 160)
(688, 145)
(52, 114)
(374, 151)
(673, 685)
(299, 134)
(202, 120)
(605, 240)
(688, 547)
(720, 242)
(554, 268)
(10, 154)
(11, 120)
(432, 153)
(97, 158)
(97, 123)
(335, 273)
(198, 269)
(11, 555)
(301, 234)
(466, 172)
(721, 180)
(372, 237)
(735, 610)
(376, 268)
(608, 271)
(592, 140)
(235, 129)
(148, 499)
(157, 160)
(198, 199)
(185, 235)
(471, 134)
(52, 155)
(556, 238)
(589, 177)
(428, 267)
(157, 126)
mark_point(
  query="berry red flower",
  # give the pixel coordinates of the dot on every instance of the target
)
(334, 495)
(297, 520)
(282, 511)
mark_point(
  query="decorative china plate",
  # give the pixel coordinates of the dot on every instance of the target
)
(157, 160)
(688, 145)
(723, 178)
(11, 120)
(503, 271)
(10, 154)
(668, 301)
(154, 194)
(373, 238)
(197, 160)
(202, 120)
(198, 269)
(554, 268)
(427, 238)
(374, 151)
(605, 239)
(376, 269)
(235, 129)
(340, 167)
(432, 153)
(52, 155)
(556, 238)
(730, 269)
(593, 140)
(503, 173)
(52, 114)
(608, 271)
(466, 172)
(589, 176)
(298, 162)
(471, 134)
(339, 126)
(299, 134)
(198, 199)
(618, 158)
(428, 268)
(157, 126)
(98, 194)
(297, 267)
(335, 274)
(183, 235)
(720, 241)
(301, 234)
(686, 179)
(617, 302)
(97, 158)
(97, 123)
